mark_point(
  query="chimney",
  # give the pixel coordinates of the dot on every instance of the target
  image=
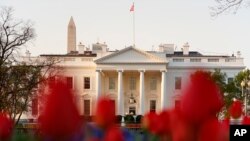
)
(186, 49)
(81, 48)
(167, 48)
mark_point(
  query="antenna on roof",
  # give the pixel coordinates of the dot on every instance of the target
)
(152, 47)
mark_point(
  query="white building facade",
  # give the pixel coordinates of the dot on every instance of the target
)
(136, 81)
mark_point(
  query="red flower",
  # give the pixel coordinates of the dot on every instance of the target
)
(60, 117)
(113, 134)
(181, 129)
(246, 120)
(6, 127)
(202, 98)
(158, 124)
(105, 113)
(150, 122)
(163, 123)
(236, 109)
(213, 130)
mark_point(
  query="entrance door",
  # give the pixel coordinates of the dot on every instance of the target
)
(132, 110)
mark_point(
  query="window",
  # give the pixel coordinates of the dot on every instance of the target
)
(230, 60)
(153, 84)
(213, 60)
(152, 107)
(230, 79)
(34, 106)
(132, 110)
(69, 59)
(86, 107)
(86, 82)
(69, 82)
(178, 60)
(177, 83)
(111, 83)
(195, 60)
(132, 83)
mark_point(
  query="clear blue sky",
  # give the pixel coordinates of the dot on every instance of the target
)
(157, 21)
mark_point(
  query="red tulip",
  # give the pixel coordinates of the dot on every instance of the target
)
(202, 98)
(246, 120)
(163, 123)
(151, 122)
(60, 117)
(113, 134)
(236, 109)
(6, 127)
(213, 130)
(105, 113)
(180, 128)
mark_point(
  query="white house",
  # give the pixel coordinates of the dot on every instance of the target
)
(136, 80)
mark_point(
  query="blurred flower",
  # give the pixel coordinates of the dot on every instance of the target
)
(213, 130)
(180, 128)
(236, 109)
(105, 113)
(60, 118)
(246, 120)
(113, 133)
(202, 98)
(149, 122)
(164, 121)
(6, 127)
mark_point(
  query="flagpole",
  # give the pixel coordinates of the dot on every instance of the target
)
(133, 25)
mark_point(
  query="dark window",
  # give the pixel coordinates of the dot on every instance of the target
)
(69, 81)
(213, 60)
(178, 60)
(34, 106)
(86, 82)
(230, 79)
(195, 60)
(152, 105)
(177, 83)
(86, 107)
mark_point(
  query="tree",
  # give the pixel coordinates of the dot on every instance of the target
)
(19, 79)
(14, 34)
(226, 6)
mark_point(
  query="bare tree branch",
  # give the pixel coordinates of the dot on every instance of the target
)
(224, 6)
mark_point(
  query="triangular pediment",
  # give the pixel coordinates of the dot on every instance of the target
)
(130, 55)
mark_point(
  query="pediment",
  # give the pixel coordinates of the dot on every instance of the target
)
(130, 55)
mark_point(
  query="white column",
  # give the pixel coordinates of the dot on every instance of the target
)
(98, 84)
(120, 99)
(163, 89)
(142, 96)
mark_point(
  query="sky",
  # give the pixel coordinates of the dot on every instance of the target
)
(156, 22)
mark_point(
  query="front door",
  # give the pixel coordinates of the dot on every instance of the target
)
(132, 110)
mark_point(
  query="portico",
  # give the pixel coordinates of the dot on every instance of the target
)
(132, 77)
